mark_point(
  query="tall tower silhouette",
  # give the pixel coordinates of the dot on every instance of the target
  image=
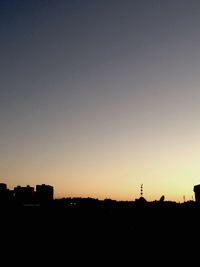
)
(141, 190)
(141, 200)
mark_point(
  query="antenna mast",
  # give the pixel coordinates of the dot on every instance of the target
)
(141, 190)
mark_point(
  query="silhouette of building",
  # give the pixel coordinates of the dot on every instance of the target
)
(3, 187)
(5, 194)
(197, 192)
(44, 193)
(24, 195)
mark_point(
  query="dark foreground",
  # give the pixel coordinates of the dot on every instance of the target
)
(82, 232)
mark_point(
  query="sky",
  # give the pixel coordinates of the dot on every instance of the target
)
(99, 97)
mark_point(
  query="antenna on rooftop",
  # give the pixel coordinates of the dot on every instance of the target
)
(141, 190)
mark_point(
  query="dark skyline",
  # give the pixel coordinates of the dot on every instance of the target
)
(44, 195)
(97, 97)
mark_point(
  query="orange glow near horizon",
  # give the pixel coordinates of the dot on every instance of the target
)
(99, 97)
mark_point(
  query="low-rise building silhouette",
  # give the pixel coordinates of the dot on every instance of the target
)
(197, 192)
(5, 194)
(3, 187)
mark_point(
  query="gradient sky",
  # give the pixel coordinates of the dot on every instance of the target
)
(97, 97)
